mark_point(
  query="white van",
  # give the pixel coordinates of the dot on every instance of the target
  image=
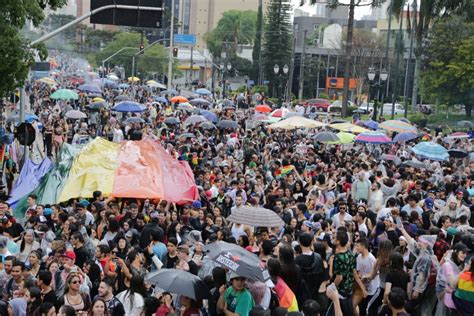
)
(387, 109)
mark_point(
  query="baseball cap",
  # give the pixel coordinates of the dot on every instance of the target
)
(197, 204)
(233, 275)
(460, 247)
(308, 224)
(69, 254)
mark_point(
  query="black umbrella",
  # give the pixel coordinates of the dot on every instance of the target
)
(171, 120)
(238, 260)
(228, 124)
(325, 137)
(457, 153)
(179, 282)
(415, 164)
(207, 125)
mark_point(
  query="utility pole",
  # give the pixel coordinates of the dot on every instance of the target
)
(389, 29)
(303, 53)
(260, 67)
(192, 63)
(170, 53)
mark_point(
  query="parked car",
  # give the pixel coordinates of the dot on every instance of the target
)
(364, 109)
(387, 109)
(336, 106)
(321, 105)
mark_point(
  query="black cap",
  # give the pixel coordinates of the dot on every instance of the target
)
(461, 247)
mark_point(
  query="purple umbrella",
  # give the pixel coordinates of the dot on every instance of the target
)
(371, 124)
(403, 137)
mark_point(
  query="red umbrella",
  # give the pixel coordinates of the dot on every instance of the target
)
(263, 108)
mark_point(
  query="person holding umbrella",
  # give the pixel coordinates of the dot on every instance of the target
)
(235, 300)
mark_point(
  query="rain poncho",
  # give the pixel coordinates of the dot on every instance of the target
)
(424, 262)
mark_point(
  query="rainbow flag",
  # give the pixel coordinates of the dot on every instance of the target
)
(286, 170)
(131, 169)
(286, 297)
(465, 288)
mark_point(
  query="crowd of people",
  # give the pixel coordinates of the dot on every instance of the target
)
(361, 235)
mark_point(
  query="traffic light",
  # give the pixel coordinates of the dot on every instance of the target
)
(142, 47)
(175, 52)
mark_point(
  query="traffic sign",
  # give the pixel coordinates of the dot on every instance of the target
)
(189, 39)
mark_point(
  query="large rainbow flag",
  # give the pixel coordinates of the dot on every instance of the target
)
(131, 169)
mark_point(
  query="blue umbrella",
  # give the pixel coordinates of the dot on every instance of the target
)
(212, 117)
(371, 124)
(109, 83)
(171, 91)
(403, 137)
(431, 150)
(29, 117)
(199, 101)
(203, 91)
(135, 119)
(128, 106)
(123, 86)
(89, 88)
(161, 99)
(97, 105)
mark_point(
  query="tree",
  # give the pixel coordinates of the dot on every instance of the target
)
(429, 12)
(447, 73)
(153, 60)
(235, 27)
(278, 39)
(257, 46)
(350, 30)
(17, 57)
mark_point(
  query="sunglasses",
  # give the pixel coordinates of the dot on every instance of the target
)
(75, 282)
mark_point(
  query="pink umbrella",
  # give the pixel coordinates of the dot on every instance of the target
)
(373, 138)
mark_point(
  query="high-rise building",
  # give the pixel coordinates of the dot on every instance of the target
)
(380, 12)
(206, 14)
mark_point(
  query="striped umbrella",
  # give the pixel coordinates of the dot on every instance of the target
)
(398, 126)
(458, 135)
(403, 137)
(255, 217)
(373, 138)
(431, 150)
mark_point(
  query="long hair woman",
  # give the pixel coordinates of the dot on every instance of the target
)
(132, 299)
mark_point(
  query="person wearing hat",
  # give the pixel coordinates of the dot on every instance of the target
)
(235, 299)
(83, 214)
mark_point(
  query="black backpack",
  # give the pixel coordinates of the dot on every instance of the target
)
(313, 272)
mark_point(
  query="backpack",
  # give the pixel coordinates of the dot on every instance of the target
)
(313, 272)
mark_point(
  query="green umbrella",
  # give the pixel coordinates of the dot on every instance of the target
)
(64, 94)
(344, 138)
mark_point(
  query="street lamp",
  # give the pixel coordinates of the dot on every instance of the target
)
(383, 76)
(276, 69)
(285, 71)
(223, 67)
(229, 66)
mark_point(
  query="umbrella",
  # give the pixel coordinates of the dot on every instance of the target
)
(108, 83)
(171, 120)
(94, 95)
(98, 105)
(279, 113)
(135, 119)
(154, 84)
(415, 164)
(228, 124)
(458, 135)
(336, 121)
(98, 100)
(210, 116)
(403, 137)
(122, 98)
(227, 103)
(75, 114)
(259, 117)
(465, 124)
(199, 101)
(404, 120)
(133, 79)
(431, 150)
(178, 99)
(457, 153)
(263, 108)
(47, 80)
(89, 88)
(373, 138)
(203, 91)
(344, 138)
(185, 106)
(29, 117)
(194, 119)
(207, 125)
(161, 99)
(296, 122)
(325, 137)
(238, 260)
(113, 76)
(128, 106)
(179, 282)
(348, 127)
(398, 126)
(291, 114)
(124, 86)
(187, 135)
(64, 94)
(396, 160)
(256, 217)
(229, 107)
(171, 91)
(371, 124)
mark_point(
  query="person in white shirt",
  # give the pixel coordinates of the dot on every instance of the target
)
(132, 301)
(376, 197)
(365, 264)
(341, 217)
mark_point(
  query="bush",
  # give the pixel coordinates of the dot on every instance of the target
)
(415, 118)
(260, 89)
